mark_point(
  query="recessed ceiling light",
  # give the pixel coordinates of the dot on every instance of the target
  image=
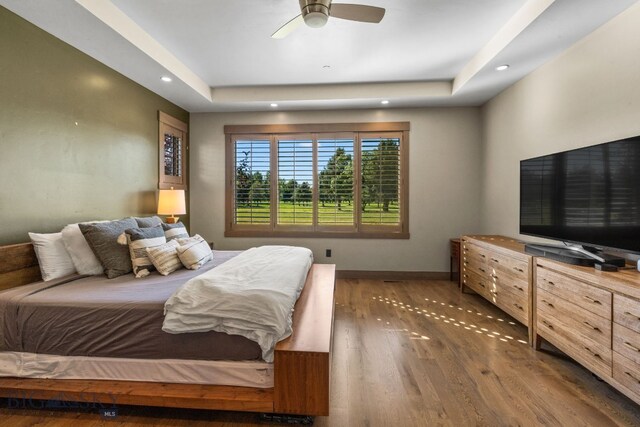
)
(165, 79)
(326, 66)
(274, 105)
(385, 102)
(502, 67)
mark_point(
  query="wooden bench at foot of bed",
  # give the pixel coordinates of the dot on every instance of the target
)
(301, 366)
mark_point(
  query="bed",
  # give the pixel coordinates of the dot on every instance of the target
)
(296, 383)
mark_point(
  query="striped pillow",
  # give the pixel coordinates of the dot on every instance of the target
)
(194, 252)
(139, 239)
(174, 231)
(165, 257)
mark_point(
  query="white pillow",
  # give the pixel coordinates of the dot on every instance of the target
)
(165, 257)
(79, 250)
(194, 252)
(53, 258)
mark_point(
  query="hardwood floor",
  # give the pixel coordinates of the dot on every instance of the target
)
(415, 353)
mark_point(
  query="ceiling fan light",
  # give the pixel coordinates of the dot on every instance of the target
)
(315, 19)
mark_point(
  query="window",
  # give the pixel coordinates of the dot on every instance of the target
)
(172, 147)
(252, 182)
(341, 180)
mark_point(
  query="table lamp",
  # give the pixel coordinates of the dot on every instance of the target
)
(171, 202)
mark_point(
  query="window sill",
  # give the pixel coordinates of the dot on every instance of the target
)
(318, 234)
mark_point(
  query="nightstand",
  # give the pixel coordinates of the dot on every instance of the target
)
(454, 259)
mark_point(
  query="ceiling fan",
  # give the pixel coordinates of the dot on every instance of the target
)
(315, 14)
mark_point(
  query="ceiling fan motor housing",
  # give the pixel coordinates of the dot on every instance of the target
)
(315, 12)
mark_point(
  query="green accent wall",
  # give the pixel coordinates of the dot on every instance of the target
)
(78, 141)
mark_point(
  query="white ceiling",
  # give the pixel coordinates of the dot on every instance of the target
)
(221, 57)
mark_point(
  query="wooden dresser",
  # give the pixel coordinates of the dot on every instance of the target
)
(497, 268)
(593, 317)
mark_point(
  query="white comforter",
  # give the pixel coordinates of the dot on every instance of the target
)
(252, 295)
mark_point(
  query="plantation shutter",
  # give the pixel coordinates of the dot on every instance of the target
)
(295, 180)
(336, 201)
(251, 181)
(380, 180)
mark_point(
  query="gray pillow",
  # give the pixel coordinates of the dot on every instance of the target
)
(103, 240)
(148, 221)
(174, 231)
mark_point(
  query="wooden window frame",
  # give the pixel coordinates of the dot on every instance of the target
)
(270, 132)
(169, 124)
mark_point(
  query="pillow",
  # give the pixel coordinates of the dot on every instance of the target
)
(53, 258)
(139, 239)
(148, 221)
(83, 258)
(174, 231)
(194, 252)
(165, 257)
(102, 238)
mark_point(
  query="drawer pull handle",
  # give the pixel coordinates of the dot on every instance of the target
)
(495, 260)
(519, 288)
(481, 284)
(596, 355)
(495, 276)
(518, 269)
(547, 324)
(595, 301)
(482, 269)
(494, 292)
(631, 314)
(632, 347)
(519, 306)
(595, 328)
(632, 377)
(482, 256)
(548, 303)
(549, 282)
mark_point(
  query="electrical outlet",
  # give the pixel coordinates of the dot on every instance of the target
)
(328, 253)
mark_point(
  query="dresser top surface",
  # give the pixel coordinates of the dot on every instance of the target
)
(625, 281)
(503, 242)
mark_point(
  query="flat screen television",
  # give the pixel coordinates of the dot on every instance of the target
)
(589, 196)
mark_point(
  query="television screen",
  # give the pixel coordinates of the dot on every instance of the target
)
(590, 195)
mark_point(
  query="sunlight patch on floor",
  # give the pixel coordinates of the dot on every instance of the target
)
(447, 319)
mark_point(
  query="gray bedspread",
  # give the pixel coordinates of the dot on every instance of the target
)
(122, 317)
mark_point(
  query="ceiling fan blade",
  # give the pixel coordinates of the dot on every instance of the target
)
(284, 31)
(357, 12)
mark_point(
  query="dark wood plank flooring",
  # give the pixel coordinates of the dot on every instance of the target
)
(415, 353)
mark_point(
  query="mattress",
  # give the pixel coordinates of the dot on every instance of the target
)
(119, 318)
(248, 373)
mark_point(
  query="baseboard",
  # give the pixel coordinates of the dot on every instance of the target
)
(392, 275)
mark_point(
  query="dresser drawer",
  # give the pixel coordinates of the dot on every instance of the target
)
(480, 284)
(627, 373)
(626, 312)
(626, 342)
(514, 306)
(591, 355)
(515, 286)
(579, 320)
(477, 267)
(519, 285)
(509, 266)
(472, 252)
(589, 297)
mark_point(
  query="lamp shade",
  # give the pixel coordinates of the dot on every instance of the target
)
(171, 202)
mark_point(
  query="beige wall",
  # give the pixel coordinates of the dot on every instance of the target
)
(444, 186)
(78, 141)
(588, 95)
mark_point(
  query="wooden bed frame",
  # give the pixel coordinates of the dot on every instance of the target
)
(301, 366)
